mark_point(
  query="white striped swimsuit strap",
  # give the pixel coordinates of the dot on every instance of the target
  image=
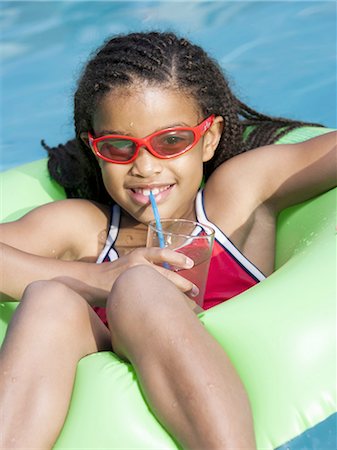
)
(108, 249)
(224, 241)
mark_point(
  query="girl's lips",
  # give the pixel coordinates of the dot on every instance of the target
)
(141, 196)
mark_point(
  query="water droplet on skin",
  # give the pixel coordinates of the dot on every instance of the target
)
(210, 385)
(13, 379)
(174, 404)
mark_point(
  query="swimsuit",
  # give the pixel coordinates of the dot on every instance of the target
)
(230, 272)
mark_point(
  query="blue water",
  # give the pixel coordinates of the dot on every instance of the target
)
(281, 57)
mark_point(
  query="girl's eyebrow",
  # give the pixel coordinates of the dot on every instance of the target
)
(106, 132)
(122, 133)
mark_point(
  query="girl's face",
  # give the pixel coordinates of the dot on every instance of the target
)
(138, 112)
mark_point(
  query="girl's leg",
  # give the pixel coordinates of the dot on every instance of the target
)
(52, 329)
(186, 376)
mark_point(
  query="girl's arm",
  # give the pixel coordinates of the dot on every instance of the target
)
(46, 242)
(61, 241)
(276, 176)
(65, 230)
(19, 269)
(295, 173)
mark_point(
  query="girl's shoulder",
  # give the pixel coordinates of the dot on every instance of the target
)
(66, 229)
(79, 209)
(69, 214)
(231, 195)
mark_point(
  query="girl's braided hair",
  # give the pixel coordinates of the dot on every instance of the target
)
(161, 59)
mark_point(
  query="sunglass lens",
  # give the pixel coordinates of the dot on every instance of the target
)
(172, 142)
(117, 149)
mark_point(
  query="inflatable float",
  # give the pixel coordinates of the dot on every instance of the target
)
(280, 335)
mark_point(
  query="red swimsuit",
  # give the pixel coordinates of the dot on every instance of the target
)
(230, 272)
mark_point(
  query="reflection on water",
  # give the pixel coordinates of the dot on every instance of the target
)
(280, 57)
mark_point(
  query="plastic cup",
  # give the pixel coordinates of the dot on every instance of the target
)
(191, 238)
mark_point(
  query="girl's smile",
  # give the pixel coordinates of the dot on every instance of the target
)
(139, 111)
(141, 195)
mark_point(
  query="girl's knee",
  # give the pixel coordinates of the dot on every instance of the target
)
(136, 276)
(54, 319)
(54, 301)
(43, 289)
(136, 308)
(133, 289)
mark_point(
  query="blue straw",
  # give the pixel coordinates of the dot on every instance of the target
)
(157, 219)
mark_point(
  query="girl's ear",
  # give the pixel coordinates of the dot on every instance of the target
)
(212, 138)
(85, 138)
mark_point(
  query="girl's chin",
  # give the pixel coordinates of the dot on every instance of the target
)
(145, 214)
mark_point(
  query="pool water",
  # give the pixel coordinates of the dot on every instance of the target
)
(280, 57)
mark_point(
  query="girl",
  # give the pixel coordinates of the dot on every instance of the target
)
(152, 112)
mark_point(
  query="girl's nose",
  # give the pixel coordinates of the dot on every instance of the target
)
(146, 164)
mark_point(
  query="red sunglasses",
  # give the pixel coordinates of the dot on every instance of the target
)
(163, 144)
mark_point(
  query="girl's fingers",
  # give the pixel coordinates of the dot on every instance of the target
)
(173, 258)
(165, 256)
(182, 283)
(167, 262)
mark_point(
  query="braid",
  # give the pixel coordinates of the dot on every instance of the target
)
(264, 130)
(78, 172)
(164, 60)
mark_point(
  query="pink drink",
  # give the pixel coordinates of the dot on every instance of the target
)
(191, 238)
(199, 272)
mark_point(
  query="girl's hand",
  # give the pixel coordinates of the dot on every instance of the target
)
(154, 256)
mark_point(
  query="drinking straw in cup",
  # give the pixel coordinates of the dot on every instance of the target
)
(158, 224)
(157, 219)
